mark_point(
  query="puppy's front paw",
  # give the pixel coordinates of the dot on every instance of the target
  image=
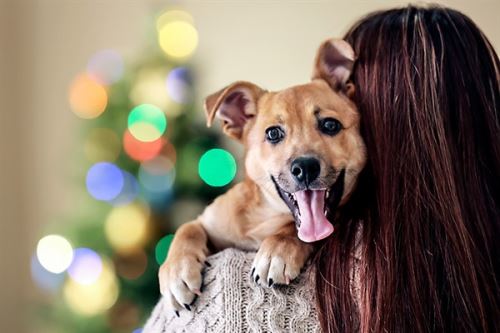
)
(180, 282)
(279, 260)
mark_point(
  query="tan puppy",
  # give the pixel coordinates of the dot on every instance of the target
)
(303, 155)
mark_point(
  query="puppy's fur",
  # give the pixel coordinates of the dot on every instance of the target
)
(277, 199)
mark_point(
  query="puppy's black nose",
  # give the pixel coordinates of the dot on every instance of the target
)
(305, 170)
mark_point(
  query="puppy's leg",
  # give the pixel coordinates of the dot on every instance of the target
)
(280, 257)
(180, 275)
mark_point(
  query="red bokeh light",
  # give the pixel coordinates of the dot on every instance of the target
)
(139, 150)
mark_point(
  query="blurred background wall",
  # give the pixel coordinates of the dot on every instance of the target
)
(44, 43)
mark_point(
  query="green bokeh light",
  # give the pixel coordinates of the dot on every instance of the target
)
(217, 167)
(161, 249)
(143, 116)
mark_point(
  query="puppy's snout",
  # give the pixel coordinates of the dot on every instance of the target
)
(305, 170)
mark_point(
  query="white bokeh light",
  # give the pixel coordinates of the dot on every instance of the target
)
(54, 253)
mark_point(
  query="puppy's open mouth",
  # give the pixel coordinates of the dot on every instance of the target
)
(314, 210)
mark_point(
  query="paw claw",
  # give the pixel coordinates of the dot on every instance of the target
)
(180, 281)
(177, 313)
(279, 261)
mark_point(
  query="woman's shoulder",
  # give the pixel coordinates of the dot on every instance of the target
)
(232, 302)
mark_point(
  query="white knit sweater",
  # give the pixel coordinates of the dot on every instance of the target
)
(232, 302)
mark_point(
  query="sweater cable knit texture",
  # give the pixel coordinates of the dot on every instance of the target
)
(231, 302)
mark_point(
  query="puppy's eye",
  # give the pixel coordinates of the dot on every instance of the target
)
(330, 126)
(274, 134)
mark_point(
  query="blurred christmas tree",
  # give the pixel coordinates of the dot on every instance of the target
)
(147, 163)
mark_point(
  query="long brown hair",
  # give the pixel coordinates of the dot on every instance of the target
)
(427, 88)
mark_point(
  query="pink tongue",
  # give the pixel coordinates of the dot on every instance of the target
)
(313, 223)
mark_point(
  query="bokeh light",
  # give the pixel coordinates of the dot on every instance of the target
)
(217, 167)
(147, 122)
(127, 227)
(54, 253)
(104, 181)
(178, 84)
(102, 144)
(149, 88)
(178, 38)
(94, 298)
(159, 201)
(106, 66)
(162, 247)
(140, 150)
(129, 191)
(157, 175)
(87, 97)
(86, 266)
(43, 278)
(132, 265)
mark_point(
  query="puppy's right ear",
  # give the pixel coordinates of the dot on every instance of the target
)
(235, 105)
(334, 63)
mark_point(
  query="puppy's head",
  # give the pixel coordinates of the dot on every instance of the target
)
(302, 142)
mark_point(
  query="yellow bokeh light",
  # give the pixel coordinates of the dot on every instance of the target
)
(54, 253)
(149, 88)
(87, 98)
(144, 132)
(178, 39)
(94, 298)
(127, 227)
(102, 144)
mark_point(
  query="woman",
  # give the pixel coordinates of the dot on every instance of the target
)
(419, 233)
(429, 202)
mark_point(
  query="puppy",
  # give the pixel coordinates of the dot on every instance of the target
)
(303, 155)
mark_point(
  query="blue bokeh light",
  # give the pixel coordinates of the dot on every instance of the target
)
(157, 175)
(86, 266)
(179, 84)
(104, 181)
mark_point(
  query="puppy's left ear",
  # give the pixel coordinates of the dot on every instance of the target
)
(235, 105)
(334, 63)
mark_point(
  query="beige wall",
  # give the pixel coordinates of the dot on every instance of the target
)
(45, 43)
